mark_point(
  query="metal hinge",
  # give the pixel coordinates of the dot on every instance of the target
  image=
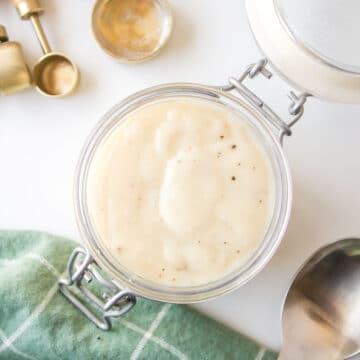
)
(114, 302)
(296, 108)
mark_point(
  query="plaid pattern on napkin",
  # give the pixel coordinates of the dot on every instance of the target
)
(37, 322)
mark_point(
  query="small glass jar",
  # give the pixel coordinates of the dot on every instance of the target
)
(97, 262)
(269, 130)
(279, 218)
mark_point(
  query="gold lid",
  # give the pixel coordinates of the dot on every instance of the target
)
(3, 34)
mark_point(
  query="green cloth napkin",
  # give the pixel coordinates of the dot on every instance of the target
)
(37, 322)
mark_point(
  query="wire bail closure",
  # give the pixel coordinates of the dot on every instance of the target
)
(114, 302)
(296, 108)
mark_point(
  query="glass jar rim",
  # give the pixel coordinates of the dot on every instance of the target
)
(145, 288)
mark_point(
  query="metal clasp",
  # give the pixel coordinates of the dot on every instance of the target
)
(296, 108)
(114, 302)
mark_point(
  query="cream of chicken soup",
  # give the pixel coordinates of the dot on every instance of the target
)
(181, 192)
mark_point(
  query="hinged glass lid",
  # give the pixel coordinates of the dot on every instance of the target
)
(313, 44)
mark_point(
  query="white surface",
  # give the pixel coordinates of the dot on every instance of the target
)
(40, 140)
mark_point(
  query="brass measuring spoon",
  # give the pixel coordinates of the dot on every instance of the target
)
(54, 75)
(14, 73)
(132, 31)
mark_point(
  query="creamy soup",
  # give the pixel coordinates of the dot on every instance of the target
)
(181, 192)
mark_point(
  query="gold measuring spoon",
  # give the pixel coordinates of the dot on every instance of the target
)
(132, 31)
(55, 75)
(14, 73)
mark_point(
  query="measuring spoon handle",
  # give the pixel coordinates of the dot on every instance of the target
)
(27, 8)
(31, 9)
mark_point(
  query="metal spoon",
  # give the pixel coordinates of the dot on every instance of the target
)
(55, 74)
(321, 313)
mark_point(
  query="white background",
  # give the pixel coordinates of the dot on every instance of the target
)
(40, 140)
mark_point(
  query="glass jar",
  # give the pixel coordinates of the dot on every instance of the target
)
(275, 230)
(269, 130)
(319, 79)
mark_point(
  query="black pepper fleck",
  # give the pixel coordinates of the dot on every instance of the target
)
(260, 201)
(238, 251)
(221, 137)
(225, 242)
(239, 164)
(163, 269)
(233, 146)
(254, 168)
(233, 178)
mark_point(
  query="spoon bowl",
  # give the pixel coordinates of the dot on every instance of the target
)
(55, 75)
(321, 312)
